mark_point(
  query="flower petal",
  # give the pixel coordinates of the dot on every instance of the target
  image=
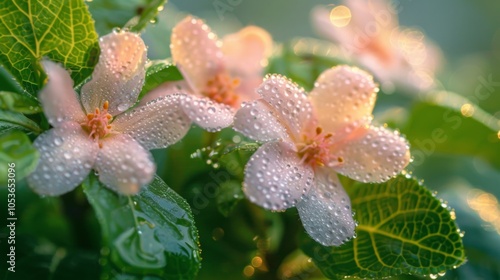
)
(59, 100)
(343, 95)
(196, 52)
(289, 101)
(366, 15)
(157, 124)
(275, 178)
(206, 113)
(258, 121)
(119, 76)
(325, 210)
(246, 51)
(168, 88)
(124, 165)
(66, 158)
(376, 156)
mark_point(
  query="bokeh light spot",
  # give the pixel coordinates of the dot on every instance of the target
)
(340, 16)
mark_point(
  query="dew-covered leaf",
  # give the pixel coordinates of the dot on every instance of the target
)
(403, 229)
(17, 149)
(20, 103)
(12, 120)
(149, 234)
(157, 73)
(62, 31)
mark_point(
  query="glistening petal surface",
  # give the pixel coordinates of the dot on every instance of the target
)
(275, 178)
(342, 95)
(119, 75)
(124, 165)
(376, 156)
(326, 211)
(59, 100)
(209, 115)
(195, 51)
(67, 155)
(157, 124)
(257, 120)
(289, 102)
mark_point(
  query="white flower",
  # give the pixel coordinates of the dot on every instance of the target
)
(368, 31)
(219, 75)
(92, 132)
(309, 139)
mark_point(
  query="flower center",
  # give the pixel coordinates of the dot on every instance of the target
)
(221, 89)
(315, 149)
(97, 124)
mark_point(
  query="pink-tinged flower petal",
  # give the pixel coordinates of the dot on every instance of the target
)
(325, 210)
(157, 124)
(66, 158)
(258, 121)
(196, 52)
(246, 54)
(206, 113)
(168, 88)
(376, 156)
(275, 178)
(342, 95)
(357, 37)
(59, 100)
(118, 76)
(124, 165)
(289, 102)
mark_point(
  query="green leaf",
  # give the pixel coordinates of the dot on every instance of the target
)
(11, 120)
(15, 147)
(61, 30)
(152, 233)
(147, 15)
(438, 125)
(303, 60)
(403, 229)
(19, 103)
(157, 73)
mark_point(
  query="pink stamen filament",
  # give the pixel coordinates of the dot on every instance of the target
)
(316, 150)
(97, 124)
(221, 89)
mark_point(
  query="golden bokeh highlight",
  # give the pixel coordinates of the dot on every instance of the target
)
(256, 261)
(340, 16)
(467, 110)
(487, 207)
(248, 271)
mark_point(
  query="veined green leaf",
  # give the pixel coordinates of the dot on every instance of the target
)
(152, 233)
(12, 120)
(157, 73)
(61, 30)
(16, 148)
(147, 14)
(403, 229)
(20, 103)
(448, 123)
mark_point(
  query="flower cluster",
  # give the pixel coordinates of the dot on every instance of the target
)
(307, 139)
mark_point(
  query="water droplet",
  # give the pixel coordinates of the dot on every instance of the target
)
(122, 107)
